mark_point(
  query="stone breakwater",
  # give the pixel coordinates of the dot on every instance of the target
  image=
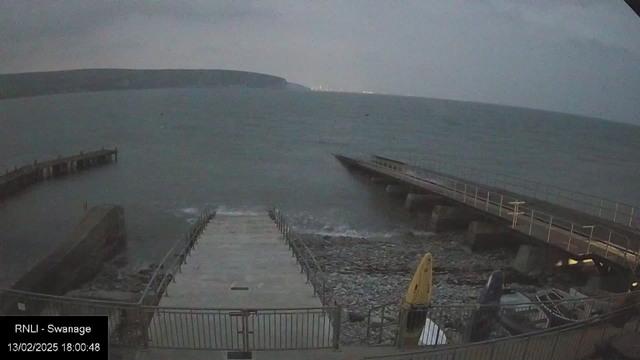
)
(364, 273)
(118, 281)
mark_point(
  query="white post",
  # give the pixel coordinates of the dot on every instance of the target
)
(631, 216)
(487, 203)
(590, 236)
(531, 222)
(455, 186)
(464, 196)
(550, 223)
(500, 213)
(570, 236)
(600, 208)
(615, 213)
(475, 201)
(515, 212)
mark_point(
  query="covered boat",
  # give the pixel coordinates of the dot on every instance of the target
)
(522, 316)
(562, 307)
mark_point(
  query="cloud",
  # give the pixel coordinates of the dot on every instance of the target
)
(573, 56)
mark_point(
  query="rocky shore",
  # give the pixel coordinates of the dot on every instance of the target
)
(364, 273)
(118, 281)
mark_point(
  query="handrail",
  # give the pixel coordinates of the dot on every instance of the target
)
(555, 223)
(308, 263)
(184, 244)
(618, 212)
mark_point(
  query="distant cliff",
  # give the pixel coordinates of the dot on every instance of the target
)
(73, 81)
(297, 87)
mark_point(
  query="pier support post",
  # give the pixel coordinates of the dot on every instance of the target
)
(397, 190)
(533, 260)
(423, 202)
(446, 218)
(382, 181)
(483, 235)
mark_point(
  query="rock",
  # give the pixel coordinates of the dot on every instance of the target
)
(355, 317)
(105, 295)
(375, 321)
(535, 272)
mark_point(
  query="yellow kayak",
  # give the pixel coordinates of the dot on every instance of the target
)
(416, 302)
(419, 292)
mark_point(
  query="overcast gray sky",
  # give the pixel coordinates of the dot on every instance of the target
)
(576, 56)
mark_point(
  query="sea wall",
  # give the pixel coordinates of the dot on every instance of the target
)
(98, 237)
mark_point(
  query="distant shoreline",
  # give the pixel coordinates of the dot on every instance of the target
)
(93, 80)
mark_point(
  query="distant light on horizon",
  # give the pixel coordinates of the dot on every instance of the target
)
(321, 88)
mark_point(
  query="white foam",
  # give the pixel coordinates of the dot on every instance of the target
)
(223, 210)
(190, 210)
(363, 234)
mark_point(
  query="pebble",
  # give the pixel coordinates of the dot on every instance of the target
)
(116, 276)
(368, 273)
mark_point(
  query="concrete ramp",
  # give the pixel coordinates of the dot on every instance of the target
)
(240, 264)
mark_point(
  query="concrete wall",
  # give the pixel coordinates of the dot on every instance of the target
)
(97, 238)
(447, 218)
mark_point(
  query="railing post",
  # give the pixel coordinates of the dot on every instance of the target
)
(615, 213)
(143, 328)
(600, 209)
(570, 236)
(487, 203)
(455, 187)
(550, 223)
(590, 236)
(464, 196)
(475, 198)
(501, 198)
(531, 222)
(336, 327)
(631, 216)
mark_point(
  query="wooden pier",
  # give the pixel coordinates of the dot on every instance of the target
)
(18, 179)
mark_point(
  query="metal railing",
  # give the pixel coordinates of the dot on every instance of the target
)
(139, 326)
(304, 257)
(125, 325)
(569, 341)
(173, 260)
(382, 324)
(460, 324)
(617, 212)
(242, 329)
(576, 238)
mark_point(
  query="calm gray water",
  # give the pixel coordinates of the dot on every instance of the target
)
(242, 150)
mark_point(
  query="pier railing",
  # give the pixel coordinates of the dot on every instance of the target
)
(242, 329)
(126, 325)
(614, 211)
(305, 258)
(571, 236)
(19, 178)
(134, 325)
(173, 260)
